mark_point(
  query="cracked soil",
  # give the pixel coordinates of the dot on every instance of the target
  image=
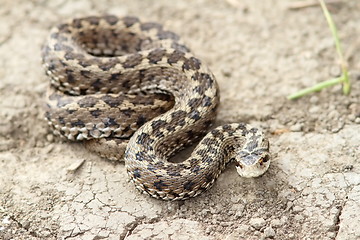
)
(259, 51)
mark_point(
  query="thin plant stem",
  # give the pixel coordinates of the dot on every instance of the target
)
(315, 88)
(344, 78)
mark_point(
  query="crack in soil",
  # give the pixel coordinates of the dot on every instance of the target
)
(32, 233)
(337, 219)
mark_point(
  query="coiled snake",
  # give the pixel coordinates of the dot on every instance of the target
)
(137, 85)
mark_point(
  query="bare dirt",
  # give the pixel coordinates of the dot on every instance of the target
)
(260, 51)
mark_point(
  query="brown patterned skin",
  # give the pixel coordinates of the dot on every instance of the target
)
(119, 78)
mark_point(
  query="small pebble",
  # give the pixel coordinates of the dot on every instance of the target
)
(331, 235)
(298, 218)
(276, 222)
(6, 220)
(351, 117)
(50, 138)
(338, 127)
(39, 144)
(226, 72)
(314, 109)
(296, 128)
(289, 205)
(75, 166)
(314, 99)
(284, 219)
(297, 209)
(333, 114)
(224, 224)
(269, 232)
(257, 223)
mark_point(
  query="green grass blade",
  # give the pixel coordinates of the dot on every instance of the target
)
(315, 88)
(334, 32)
(344, 79)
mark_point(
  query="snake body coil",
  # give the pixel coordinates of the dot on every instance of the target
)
(102, 70)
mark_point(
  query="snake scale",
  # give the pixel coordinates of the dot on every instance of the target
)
(133, 88)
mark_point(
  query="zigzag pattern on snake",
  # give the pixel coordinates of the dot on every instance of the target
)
(138, 88)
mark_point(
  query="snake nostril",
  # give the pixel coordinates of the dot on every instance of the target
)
(237, 164)
(266, 158)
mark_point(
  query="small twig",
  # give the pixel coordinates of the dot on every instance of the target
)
(75, 166)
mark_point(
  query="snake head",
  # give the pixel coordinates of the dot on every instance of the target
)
(253, 161)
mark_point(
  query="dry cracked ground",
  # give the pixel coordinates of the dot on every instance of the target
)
(260, 51)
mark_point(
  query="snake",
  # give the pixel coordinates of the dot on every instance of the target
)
(133, 91)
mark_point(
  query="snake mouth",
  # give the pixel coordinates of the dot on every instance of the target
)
(252, 171)
(253, 165)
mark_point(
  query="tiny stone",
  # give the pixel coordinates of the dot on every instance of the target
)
(213, 210)
(299, 217)
(284, 219)
(50, 138)
(296, 128)
(236, 199)
(226, 72)
(224, 224)
(351, 117)
(333, 114)
(314, 109)
(238, 232)
(45, 233)
(75, 166)
(238, 210)
(337, 128)
(26, 224)
(289, 205)
(276, 223)
(331, 235)
(297, 209)
(6, 220)
(257, 223)
(103, 234)
(269, 232)
(314, 99)
(243, 228)
(354, 107)
(357, 120)
(39, 144)
(205, 211)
